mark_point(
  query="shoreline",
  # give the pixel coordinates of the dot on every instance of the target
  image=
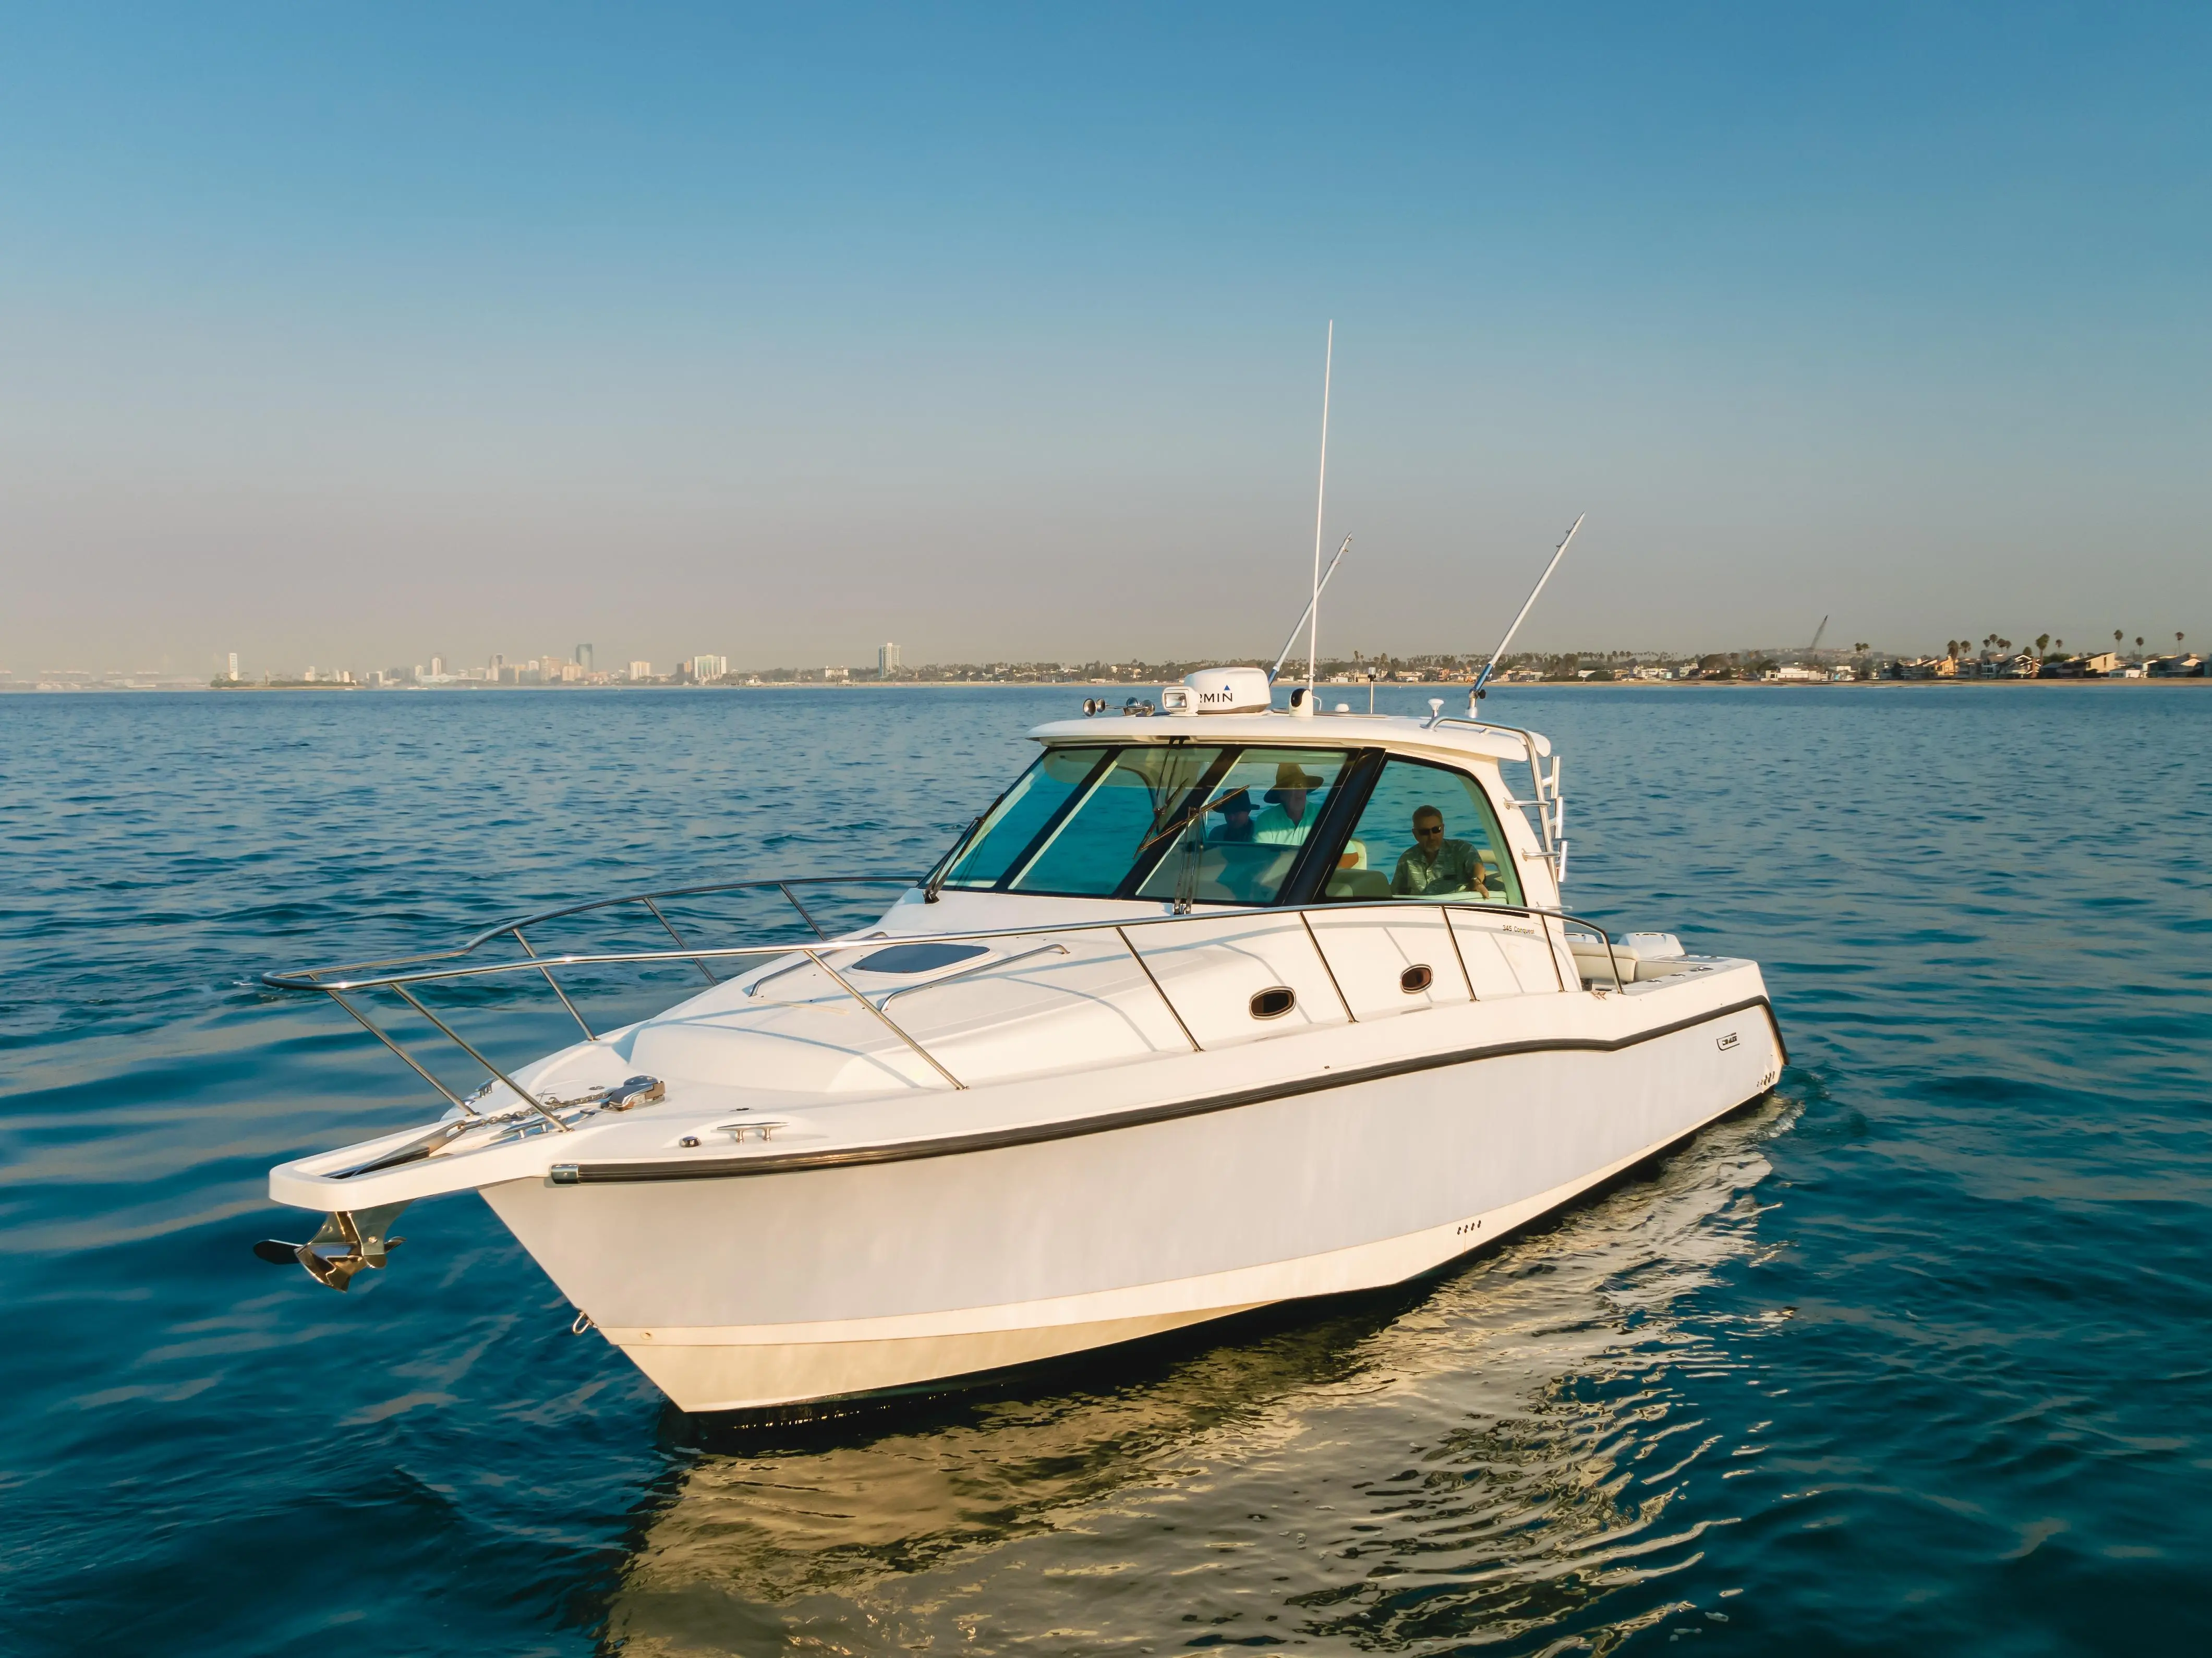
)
(1128, 687)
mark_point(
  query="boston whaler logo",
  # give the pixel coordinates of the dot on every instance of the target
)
(1727, 1041)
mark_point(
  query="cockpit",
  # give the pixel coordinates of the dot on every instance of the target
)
(1230, 823)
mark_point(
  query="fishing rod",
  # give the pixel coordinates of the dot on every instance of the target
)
(1558, 554)
(1291, 643)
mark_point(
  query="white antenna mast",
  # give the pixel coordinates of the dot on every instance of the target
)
(1320, 499)
(1558, 554)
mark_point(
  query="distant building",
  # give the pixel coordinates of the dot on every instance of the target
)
(704, 668)
(832, 674)
(584, 657)
(641, 671)
(887, 659)
(232, 673)
(1927, 667)
(2102, 666)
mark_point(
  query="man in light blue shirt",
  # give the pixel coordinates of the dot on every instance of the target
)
(1287, 820)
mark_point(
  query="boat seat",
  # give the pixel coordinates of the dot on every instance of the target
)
(1359, 883)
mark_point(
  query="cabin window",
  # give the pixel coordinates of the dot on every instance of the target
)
(1425, 832)
(1258, 815)
(1127, 812)
(1023, 814)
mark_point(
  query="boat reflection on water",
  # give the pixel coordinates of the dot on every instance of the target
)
(1498, 1454)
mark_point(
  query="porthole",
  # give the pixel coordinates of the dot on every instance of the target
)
(1415, 980)
(1274, 1002)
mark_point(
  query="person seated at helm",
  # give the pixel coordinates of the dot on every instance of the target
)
(1236, 819)
(1434, 865)
(1286, 821)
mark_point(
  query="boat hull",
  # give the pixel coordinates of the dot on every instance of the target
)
(798, 1284)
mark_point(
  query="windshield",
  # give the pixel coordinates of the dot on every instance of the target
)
(1153, 820)
(1258, 814)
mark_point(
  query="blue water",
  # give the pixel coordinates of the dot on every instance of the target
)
(1915, 1356)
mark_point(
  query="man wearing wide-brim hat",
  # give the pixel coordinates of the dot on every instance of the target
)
(1287, 820)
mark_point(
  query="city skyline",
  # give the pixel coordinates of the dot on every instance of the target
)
(1993, 656)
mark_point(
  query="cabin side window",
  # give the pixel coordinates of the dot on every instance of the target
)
(1126, 816)
(1023, 814)
(1426, 832)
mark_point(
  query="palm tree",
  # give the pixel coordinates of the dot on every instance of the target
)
(2117, 635)
(2042, 643)
(2139, 641)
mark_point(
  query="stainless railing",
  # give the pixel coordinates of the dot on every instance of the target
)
(315, 978)
(397, 974)
(1548, 803)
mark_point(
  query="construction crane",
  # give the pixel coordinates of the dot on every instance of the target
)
(1817, 632)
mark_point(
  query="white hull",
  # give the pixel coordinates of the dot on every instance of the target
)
(775, 1288)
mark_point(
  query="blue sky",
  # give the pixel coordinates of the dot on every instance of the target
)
(350, 337)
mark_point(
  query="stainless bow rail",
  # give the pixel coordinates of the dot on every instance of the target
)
(397, 974)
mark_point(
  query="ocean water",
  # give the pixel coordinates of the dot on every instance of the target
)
(1915, 1356)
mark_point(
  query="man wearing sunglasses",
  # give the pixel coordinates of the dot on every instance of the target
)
(1433, 865)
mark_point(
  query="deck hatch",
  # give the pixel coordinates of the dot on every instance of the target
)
(917, 958)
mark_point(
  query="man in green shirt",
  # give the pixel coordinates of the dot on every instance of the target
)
(1432, 865)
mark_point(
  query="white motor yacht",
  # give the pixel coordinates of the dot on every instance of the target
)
(1220, 1004)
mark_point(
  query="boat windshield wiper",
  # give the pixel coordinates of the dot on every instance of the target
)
(1189, 817)
(936, 879)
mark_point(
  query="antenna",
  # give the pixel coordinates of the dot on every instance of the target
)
(1558, 554)
(1291, 643)
(1320, 496)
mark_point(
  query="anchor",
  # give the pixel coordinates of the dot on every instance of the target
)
(364, 1233)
